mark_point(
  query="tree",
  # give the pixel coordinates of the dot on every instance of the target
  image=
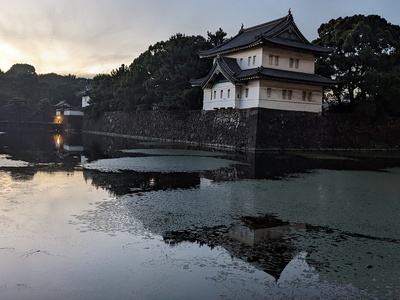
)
(217, 38)
(18, 69)
(45, 109)
(158, 79)
(365, 60)
(171, 65)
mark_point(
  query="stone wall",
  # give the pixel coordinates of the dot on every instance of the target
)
(251, 129)
(223, 128)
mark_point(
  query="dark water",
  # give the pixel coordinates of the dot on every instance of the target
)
(93, 217)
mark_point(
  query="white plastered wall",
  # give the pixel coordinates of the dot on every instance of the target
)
(306, 60)
(248, 59)
(221, 95)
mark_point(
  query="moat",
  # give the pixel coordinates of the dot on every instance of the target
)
(93, 217)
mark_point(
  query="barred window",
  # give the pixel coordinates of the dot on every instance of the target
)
(304, 96)
(269, 92)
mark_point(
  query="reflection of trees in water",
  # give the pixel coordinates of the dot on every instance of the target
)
(33, 146)
(22, 174)
(281, 165)
(39, 149)
(129, 182)
(100, 146)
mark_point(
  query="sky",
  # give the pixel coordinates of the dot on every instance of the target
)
(89, 37)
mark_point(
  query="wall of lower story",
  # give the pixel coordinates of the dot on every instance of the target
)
(251, 129)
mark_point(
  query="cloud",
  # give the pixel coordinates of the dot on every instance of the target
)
(82, 37)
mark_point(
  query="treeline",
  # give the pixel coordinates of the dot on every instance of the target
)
(27, 96)
(158, 78)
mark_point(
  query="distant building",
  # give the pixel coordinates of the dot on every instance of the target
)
(267, 66)
(70, 118)
(85, 94)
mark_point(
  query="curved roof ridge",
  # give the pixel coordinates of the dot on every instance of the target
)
(277, 21)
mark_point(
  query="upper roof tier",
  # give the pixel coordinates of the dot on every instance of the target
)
(282, 33)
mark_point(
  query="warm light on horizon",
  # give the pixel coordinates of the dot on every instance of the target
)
(63, 57)
(57, 62)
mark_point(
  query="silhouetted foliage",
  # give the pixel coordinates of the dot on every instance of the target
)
(157, 79)
(217, 38)
(25, 95)
(365, 60)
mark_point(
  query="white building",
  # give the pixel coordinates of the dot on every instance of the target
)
(268, 66)
(85, 94)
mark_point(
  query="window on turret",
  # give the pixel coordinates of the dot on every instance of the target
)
(254, 60)
(241, 62)
(293, 63)
(284, 94)
(215, 94)
(229, 94)
(221, 94)
(306, 96)
(271, 60)
(276, 60)
(249, 60)
(269, 92)
(290, 93)
(246, 93)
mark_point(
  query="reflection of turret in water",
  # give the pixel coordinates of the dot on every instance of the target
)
(260, 241)
(67, 142)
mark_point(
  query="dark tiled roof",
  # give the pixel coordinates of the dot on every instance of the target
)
(63, 104)
(225, 65)
(231, 71)
(275, 74)
(281, 32)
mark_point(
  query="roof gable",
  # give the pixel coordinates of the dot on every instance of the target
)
(290, 33)
(224, 68)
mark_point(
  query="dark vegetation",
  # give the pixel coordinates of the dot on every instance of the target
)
(365, 61)
(27, 96)
(158, 78)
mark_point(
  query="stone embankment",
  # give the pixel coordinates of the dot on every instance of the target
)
(251, 129)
